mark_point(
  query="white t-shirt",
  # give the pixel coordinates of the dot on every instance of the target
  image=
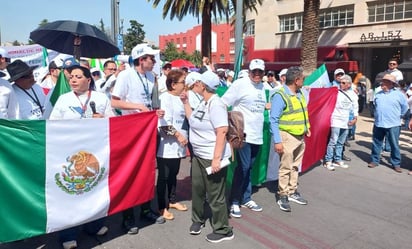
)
(161, 84)
(9, 108)
(130, 87)
(169, 147)
(344, 105)
(48, 83)
(397, 73)
(194, 99)
(250, 99)
(28, 108)
(202, 133)
(69, 106)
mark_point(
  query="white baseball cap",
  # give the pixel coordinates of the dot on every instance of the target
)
(210, 79)
(257, 64)
(283, 72)
(4, 53)
(192, 77)
(143, 49)
(339, 70)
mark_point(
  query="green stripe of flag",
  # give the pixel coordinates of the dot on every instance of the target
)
(22, 175)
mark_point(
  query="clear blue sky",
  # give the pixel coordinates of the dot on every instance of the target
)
(19, 17)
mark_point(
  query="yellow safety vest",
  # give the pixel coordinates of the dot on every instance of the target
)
(294, 119)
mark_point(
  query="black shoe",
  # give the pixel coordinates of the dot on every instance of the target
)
(217, 237)
(151, 216)
(346, 158)
(130, 226)
(347, 144)
(196, 228)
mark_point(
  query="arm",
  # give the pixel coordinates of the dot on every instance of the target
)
(120, 104)
(185, 100)
(219, 147)
(276, 112)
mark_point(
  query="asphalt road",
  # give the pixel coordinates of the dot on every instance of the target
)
(351, 208)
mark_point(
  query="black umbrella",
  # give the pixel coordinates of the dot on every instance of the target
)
(76, 38)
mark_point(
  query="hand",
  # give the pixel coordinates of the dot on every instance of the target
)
(160, 113)
(268, 106)
(97, 115)
(184, 97)
(215, 166)
(279, 148)
(182, 139)
(308, 133)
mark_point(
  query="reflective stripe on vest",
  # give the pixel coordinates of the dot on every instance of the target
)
(294, 117)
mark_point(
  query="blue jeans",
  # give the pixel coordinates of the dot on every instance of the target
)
(392, 136)
(335, 145)
(72, 233)
(242, 186)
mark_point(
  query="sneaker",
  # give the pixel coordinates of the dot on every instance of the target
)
(130, 226)
(346, 158)
(102, 231)
(217, 237)
(340, 164)
(235, 211)
(151, 216)
(283, 203)
(296, 197)
(252, 206)
(70, 244)
(196, 228)
(329, 166)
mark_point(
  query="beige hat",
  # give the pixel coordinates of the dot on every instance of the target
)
(390, 77)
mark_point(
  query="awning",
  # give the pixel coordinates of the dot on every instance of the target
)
(405, 66)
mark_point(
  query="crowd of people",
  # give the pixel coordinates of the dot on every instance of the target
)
(191, 116)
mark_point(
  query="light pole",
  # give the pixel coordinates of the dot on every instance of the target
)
(115, 19)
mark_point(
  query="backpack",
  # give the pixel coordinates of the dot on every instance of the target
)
(235, 134)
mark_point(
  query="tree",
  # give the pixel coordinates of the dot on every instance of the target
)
(135, 35)
(41, 24)
(310, 35)
(204, 9)
(102, 28)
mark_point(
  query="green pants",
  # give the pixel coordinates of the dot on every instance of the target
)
(214, 186)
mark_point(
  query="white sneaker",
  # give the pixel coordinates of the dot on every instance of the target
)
(235, 211)
(340, 164)
(70, 244)
(329, 166)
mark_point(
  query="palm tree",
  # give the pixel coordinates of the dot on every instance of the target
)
(205, 9)
(310, 35)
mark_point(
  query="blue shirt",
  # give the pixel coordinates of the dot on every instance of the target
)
(389, 108)
(276, 111)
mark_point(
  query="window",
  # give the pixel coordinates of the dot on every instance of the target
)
(380, 11)
(335, 17)
(250, 28)
(291, 22)
(184, 40)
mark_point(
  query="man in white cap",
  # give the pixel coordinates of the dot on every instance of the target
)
(247, 95)
(4, 61)
(132, 93)
(339, 72)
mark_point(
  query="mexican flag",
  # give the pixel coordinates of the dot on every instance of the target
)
(319, 78)
(57, 174)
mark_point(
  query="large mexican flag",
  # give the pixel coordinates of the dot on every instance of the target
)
(57, 174)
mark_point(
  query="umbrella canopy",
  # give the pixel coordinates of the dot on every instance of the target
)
(182, 63)
(76, 38)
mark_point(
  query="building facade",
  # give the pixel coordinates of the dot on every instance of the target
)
(223, 43)
(357, 35)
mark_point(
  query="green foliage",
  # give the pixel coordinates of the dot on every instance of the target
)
(16, 43)
(101, 26)
(172, 53)
(135, 35)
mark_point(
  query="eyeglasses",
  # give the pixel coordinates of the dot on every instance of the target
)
(339, 74)
(111, 69)
(343, 82)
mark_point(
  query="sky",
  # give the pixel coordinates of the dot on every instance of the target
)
(20, 17)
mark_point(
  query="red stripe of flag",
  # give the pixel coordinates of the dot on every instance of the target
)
(132, 160)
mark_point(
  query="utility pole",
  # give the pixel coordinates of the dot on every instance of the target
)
(238, 33)
(115, 18)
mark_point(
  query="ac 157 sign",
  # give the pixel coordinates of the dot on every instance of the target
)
(382, 36)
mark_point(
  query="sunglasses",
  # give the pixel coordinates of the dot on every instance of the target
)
(96, 73)
(340, 74)
(257, 72)
(393, 64)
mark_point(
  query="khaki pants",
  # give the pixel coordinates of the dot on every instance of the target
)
(290, 160)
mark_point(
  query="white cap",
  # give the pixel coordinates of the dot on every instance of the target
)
(339, 70)
(143, 49)
(243, 74)
(210, 79)
(192, 77)
(94, 69)
(230, 73)
(257, 64)
(3, 53)
(283, 72)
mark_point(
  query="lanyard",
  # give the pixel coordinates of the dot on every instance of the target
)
(35, 98)
(145, 87)
(84, 106)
